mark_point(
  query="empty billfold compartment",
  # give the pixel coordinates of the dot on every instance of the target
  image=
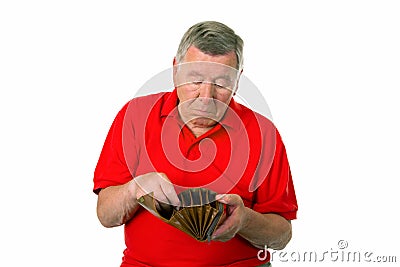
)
(197, 216)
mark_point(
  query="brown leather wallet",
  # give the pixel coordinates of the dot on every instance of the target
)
(198, 215)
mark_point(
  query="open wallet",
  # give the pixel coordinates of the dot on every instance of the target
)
(198, 215)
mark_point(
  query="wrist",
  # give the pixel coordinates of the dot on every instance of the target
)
(132, 190)
(246, 219)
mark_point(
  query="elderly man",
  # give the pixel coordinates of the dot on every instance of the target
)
(197, 136)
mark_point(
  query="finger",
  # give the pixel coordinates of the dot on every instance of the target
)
(159, 195)
(144, 185)
(229, 199)
(224, 238)
(219, 232)
(140, 190)
(223, 235)
(227, 228)
(170, 193)
(172, 197)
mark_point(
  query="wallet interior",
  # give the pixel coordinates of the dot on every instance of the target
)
(198, 215)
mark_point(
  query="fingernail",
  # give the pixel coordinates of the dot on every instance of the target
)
(219, 196)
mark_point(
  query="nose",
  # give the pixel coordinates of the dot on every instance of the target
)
(206, 93)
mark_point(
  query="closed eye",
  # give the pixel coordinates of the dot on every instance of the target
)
(197, 82)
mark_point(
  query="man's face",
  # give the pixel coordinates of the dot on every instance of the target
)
(205, 85)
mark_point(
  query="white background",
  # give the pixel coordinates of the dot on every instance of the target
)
(329, 70)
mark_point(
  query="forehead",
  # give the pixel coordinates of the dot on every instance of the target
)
(195, 54)
(205, 69)
(206, 72)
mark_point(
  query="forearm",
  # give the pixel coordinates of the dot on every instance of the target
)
(117, 204)
(266, 229)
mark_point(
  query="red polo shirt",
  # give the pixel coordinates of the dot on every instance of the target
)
(243, 154)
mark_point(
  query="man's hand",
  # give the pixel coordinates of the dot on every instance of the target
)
(236, 217)
(117, 204)
(161, 187)
(271, 230)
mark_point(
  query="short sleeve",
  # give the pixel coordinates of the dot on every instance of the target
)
(276, 194)
(112, 168)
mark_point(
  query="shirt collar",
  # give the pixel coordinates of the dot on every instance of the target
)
(232, 117)
(169, 107)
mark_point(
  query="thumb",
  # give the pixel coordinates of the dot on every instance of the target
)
(223, 198)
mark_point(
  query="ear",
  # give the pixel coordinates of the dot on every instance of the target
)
(237, 82)
(174, 69)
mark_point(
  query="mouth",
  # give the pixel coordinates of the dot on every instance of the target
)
(205, 113)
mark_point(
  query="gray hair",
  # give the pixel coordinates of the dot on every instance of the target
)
(213, 38)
